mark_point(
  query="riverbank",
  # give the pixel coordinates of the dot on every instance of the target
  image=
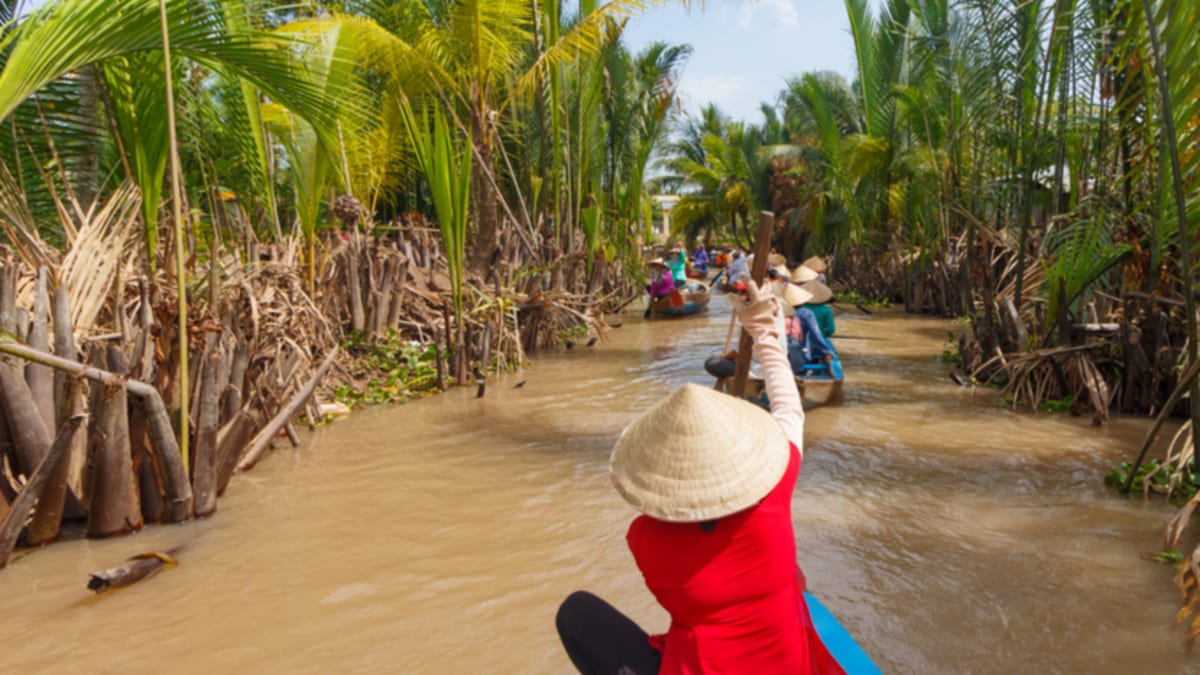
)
(440, 536)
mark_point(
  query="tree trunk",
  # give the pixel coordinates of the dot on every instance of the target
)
(486, 200)
(204, 477)
(48, 517)
(115, 503)
(11, 519)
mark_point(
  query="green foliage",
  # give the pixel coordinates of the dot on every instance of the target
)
(447, 170)
(854, 297)
(1159, 477)
(395, 370)
(1061, 405)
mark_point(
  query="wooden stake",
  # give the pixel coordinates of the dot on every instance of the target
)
(264, 437)
(15, 518)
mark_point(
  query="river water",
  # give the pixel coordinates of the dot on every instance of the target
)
(949, 534)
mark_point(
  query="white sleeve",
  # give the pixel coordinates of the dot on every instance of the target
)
(780, 384)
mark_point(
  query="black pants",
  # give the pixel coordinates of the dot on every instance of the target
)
(602, 641)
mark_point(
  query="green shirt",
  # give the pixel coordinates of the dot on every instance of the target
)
(824, 314)
(678, 265)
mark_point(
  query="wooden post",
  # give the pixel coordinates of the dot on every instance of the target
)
(762, 249)
(15, 518)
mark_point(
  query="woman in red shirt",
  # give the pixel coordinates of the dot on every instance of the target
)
(713, 476)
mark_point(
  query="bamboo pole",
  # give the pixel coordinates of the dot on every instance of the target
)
(15, 518)
(180, 242)
(259, 445)
(762, 249)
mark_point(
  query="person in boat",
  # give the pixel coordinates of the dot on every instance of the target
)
(738, 268)
(700, 258)
(677, 261)
(820, 304)
(713, 478)
(662, 283)
(807, 343)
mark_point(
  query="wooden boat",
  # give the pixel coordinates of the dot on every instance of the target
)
(841, 645)
(692, 297)
(696, 273)
(819, 384)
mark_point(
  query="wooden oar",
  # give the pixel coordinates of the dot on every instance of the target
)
(762, 248)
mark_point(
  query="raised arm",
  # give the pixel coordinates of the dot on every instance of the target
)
(762, 317)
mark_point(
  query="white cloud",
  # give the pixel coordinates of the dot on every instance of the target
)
(783, 13)
(725, 90)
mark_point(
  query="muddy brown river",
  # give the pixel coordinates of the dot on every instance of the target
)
(950, 535)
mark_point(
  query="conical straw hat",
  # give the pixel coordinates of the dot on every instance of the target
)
(819, 291)
(656, 262)
(776, 259)
(804, 274)
(795, 295)
(698, 455)
(815, 264)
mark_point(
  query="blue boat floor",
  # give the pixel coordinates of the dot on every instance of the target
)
(850, 656)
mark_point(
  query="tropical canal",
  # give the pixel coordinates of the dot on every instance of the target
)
(948, 533)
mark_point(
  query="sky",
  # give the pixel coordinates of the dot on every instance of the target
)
(744, 50)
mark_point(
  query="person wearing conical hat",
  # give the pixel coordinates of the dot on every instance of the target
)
(662, 283)
(822, 296)
(806, 341)
(712, 476)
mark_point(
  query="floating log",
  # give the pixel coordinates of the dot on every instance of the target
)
(264, 437)
(15, 518)
(178, 488)
(141, 566)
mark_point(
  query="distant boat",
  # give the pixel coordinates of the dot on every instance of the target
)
(688, 299)
(841, 645)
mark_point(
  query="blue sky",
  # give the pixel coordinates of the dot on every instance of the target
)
(744, 50)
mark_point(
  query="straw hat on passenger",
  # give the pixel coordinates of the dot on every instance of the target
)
(776, 260)
(804, 274)
(795, 295)
(656, 262)
(819, 291)
(816, 264)
(698, 455)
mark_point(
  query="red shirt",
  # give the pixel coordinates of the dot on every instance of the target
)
(735, 593)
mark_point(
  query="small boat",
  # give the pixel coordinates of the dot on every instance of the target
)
(841, 645)
(819, 384)
(688, 299)
(696, 273)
